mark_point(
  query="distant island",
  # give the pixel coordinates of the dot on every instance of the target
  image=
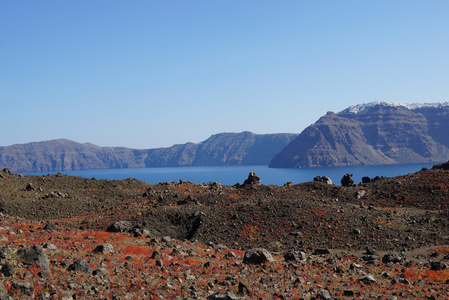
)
(245, 148)
(376, 133)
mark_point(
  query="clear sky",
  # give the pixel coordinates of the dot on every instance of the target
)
(147, 74)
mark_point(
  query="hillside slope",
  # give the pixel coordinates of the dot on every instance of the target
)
(244, 148)
(372, 134)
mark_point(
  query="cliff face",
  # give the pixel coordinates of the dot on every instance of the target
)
(380, 133)
(244, 148)
(64, 155)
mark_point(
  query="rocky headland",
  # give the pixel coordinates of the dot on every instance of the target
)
(377, 133)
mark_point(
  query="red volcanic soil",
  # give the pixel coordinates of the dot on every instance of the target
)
(355, 227)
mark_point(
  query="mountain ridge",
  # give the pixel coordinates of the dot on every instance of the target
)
(375, 133)
(219, 149)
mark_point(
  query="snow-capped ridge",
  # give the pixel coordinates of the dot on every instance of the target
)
(361, 107)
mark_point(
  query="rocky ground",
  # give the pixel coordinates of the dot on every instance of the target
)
(384, 238)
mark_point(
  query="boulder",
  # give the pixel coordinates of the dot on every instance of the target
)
(323, 294)
(105, 248)
(166, 239)
(49, 246)
(391, 258)
(120, 226)
(230, 255)
(366, 179)
(33, 255)
(323, 179)
(368, 279)
(101, 272)
(252, 179)
(5, 253)
(293, 255)
(257, 256)
(49, 226)
(347, 180)
(80, 265)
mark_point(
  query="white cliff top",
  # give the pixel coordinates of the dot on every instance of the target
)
(361, 107)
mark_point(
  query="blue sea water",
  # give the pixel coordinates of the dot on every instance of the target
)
(231, 175)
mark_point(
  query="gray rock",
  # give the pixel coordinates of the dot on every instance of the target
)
(257, 256)
(391, 258)
(293, 255)
(120, 226)
(323, 294)
(80, 265)
(100, 272)
(49, 246)
(34, 255)
(355, 266)
(229, 295)
(105, 249)
(368, 279)
(323, 179)
(166, 239)
(5, 253)
(230, 255)
(49, 226)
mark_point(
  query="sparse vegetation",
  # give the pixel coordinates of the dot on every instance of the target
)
(345, 241)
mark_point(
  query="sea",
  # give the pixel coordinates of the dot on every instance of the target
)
(230, 175)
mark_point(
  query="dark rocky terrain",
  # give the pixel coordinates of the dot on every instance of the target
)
(126, 239)
(312, 215)
(244, 148)
(376, 134)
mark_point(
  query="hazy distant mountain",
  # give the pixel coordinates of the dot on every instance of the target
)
(244, 148)
(372, 134)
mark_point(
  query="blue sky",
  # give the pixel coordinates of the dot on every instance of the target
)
(147, 74)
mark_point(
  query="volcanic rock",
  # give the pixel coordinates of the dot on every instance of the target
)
(323, 179)
(33, 255)
(252, 179)
(105, 248)
(347, 180)
(257, 256)
(80, 265)
(120, 226)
